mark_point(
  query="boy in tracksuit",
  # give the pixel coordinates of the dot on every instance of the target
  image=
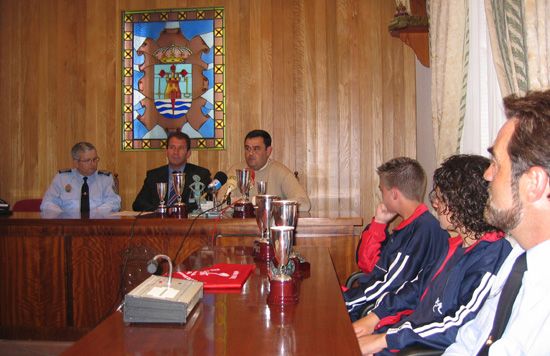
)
(429, 309)
(389, 260)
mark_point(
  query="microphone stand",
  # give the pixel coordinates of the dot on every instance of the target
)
(215, 200)
(153, 263)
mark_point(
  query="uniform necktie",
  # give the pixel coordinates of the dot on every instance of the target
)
(506, 302)
(172, 195)
(85, 197)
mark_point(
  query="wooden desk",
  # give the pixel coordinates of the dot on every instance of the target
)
(241, 323)
(60, 277)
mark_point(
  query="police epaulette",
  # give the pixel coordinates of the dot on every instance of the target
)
(105, 173)
(67, 170)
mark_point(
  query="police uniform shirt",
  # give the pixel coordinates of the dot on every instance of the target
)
(65, 192)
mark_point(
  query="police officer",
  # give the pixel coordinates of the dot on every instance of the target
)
(82, 188)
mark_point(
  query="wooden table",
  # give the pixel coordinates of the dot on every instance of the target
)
(60, 277)
(241, 323)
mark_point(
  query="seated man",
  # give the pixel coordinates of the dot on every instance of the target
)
(519, 203)
(389, 260)
(178, 150)
(82, 188)
(429, 309)
(280, 180)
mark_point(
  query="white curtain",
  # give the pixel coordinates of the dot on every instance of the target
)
(449, 64)
(537, 30)
(484, 111)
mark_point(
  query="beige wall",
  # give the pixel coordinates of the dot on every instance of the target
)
(335, 90)
(425, 145)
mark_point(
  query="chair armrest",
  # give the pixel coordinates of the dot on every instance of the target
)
(354, 277)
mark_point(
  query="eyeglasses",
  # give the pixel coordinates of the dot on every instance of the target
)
(85, 161)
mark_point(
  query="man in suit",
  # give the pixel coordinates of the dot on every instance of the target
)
(519, 203)
(178, 150)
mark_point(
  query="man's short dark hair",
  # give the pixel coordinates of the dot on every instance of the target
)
(405, 174)
(260, 133)
(180, 136)
(529, 145)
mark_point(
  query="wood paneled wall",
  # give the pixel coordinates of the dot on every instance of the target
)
(335, 90)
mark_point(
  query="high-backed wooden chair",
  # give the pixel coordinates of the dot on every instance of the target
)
(117, 183)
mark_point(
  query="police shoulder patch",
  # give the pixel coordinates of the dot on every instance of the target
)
(66, 170)
(105, 173)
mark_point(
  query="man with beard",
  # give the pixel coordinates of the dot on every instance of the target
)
(519, 203)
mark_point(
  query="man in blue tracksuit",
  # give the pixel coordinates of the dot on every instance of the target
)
(429, 309)
(390, 260)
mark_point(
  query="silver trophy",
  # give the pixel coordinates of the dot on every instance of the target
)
(285, 213)
(262, 187)
(243, 209)
(243, 182)
(264, 215)
(282, 245)
(178, 180)
(161, 191)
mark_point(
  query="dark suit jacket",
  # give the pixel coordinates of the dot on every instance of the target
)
(148, 199)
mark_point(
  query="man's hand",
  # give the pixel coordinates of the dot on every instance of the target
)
(365, 326)
(382, 215)
(372, 344)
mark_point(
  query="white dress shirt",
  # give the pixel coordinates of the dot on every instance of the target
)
(528, 330)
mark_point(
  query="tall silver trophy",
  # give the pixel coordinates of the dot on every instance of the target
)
(243, 182)
(243, 208)
(179, 209)
(162, 187)
(285, 213)
(264, 216)
(282, 289)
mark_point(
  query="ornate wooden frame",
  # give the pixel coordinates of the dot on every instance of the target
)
(173, 77)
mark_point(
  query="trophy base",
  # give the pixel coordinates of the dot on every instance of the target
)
(282, 292)
(178, 211)
(243, 210)
(162, 210)
(263, 251)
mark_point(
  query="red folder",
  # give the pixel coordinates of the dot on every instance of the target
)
(219, 276)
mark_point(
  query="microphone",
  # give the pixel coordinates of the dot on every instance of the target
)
(231, 185)
(219, 179)
(153, 264)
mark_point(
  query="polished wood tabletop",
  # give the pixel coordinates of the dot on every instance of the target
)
(54, 263)
(241, 322)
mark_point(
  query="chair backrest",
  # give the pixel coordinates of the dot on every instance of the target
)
(27, 205)
(117, 183)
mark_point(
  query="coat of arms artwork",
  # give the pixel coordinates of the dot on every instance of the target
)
(173, 64)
